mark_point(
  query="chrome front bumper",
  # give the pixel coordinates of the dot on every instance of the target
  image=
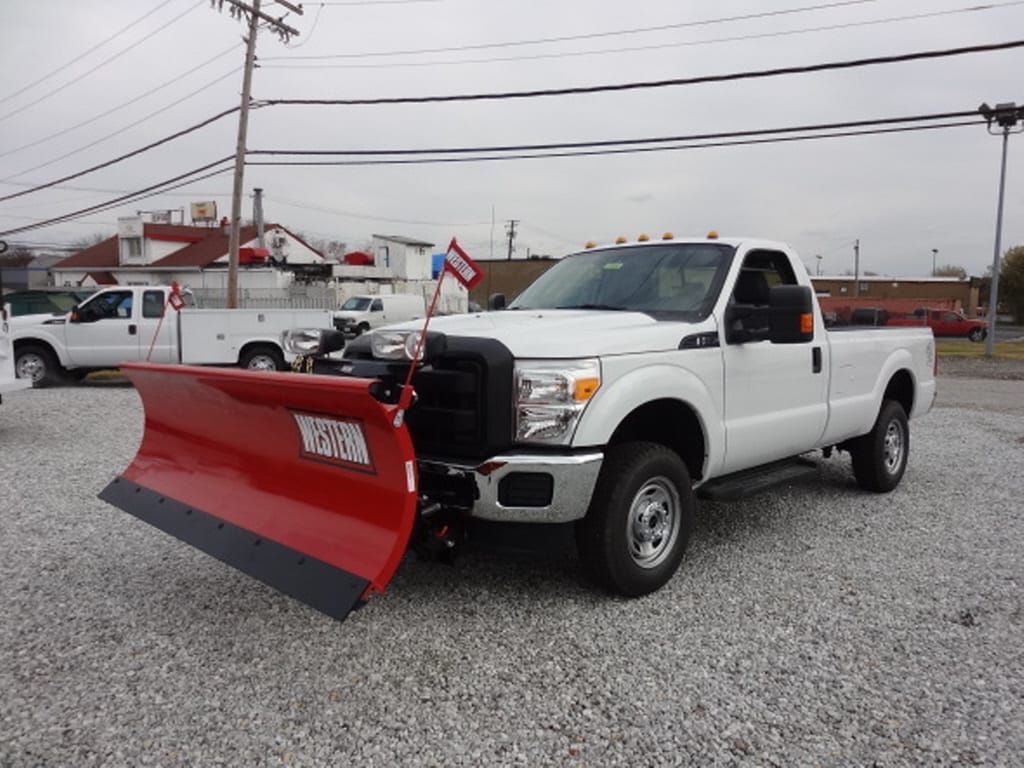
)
(573, 477)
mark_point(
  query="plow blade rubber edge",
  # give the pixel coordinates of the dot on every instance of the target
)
(300, 481)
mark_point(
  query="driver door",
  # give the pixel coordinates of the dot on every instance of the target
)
(105, 333)
(776, 395)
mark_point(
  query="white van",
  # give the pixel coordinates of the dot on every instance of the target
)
(362, 313)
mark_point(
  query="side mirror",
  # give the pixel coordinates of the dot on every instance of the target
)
(496, 301)
(331, 341)
(74, 316)
(791, 314)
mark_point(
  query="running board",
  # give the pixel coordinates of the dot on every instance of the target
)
(739, 485)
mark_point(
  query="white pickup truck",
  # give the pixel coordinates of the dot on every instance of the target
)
(629, 379)
(126, 323)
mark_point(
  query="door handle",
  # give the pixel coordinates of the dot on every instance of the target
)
(816, 359)
(132, 329)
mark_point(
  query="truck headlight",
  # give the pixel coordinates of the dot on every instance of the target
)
(551, 396)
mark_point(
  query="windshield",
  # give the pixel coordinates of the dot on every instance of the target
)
(357, 304)
(674, 280)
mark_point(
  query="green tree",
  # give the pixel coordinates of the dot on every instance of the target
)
(951, 270)
(1011, 282)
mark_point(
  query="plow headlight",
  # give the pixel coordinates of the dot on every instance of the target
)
(551, 396)
(312, 341)
(401, 345)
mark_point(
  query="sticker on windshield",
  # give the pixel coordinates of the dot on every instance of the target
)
(613, 265)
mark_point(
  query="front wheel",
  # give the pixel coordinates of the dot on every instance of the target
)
(262, 359)
(639, 521)
(37, 364)
(976, 334)
(880, 456)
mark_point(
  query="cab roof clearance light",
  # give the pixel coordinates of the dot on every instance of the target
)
(712, 235)
(643, 238)
(667, 236)
(620, 240)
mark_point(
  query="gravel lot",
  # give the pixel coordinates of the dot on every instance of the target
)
(813, 625)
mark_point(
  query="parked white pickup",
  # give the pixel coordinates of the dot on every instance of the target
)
(125, 323)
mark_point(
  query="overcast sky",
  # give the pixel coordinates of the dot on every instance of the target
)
(901, 195)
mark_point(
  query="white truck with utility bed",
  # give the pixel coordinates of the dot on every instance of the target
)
(126, 323)
(622, 384)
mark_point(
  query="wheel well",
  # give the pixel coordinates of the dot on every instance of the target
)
(20, 344)
(259, 346)
(901, 389)
(671, 423)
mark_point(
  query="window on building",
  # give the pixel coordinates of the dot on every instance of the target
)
(132, 247)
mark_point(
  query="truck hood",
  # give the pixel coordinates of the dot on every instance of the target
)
(561, 333)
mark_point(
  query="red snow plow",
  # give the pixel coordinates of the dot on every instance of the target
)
(303, 482)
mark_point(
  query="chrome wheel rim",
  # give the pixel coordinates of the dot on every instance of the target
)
(262, 363)
(653, 524)
(31, 367)
(893, 447)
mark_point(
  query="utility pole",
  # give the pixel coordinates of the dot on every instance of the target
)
(253, 15)
(817, 271)
(935, 252)
(1006, 116)
(856, 267)
(511, 229)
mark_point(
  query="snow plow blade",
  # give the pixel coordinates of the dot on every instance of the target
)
(300, 481)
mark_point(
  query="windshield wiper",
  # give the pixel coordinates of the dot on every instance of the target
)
(611, 307)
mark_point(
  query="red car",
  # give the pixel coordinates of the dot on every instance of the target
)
(944, 322)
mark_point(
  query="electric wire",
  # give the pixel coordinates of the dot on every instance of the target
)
(661, 46)
(618, 150)
(139, 194)
(586, 36)
(619, 142)
(678, 81)
(81, 56)
(353, 215)
(102, 64)
(170, 81)
(161, 111)
(121, 158)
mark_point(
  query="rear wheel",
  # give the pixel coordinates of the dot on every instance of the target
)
(263, 358)
(639, 521)
(976, 334)
(880, 456)
(38, 364)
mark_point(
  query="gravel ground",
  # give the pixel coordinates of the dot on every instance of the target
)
(813, 625)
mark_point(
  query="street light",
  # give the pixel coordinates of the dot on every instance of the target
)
(935, 252)
(1006, 116)
(818, 268)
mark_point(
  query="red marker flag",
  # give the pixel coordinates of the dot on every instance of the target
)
(174, 297)
(457, 262)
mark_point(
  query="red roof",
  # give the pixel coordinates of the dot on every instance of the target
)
(203, 246)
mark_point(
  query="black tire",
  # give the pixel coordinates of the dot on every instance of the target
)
(262, 358)
(977, 334)
(880, 456)
(37, 363)
(362, 328)
(639, 521)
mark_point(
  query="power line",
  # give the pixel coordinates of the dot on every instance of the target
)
(352, 215)
(102, 64)
(81, 56)
(746, 75)
(163, 110)
(171, 81)
(123, 157)
(586, 36)
(661, 46)
(619, 142)
(621, 151)
(139, 194)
